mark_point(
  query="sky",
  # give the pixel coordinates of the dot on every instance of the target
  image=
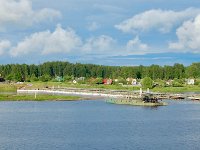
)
(112, 32)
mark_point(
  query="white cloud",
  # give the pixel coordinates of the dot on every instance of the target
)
(4, 45)
(135, 46)
(60, 41)
(102, 43)
(161, 20)
(188, 36)
(67, 41)
(21, 13)
(93, 26)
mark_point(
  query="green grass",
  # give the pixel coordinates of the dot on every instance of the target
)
(41, 85)
(22, 97)
(177, 89)
(7, 88)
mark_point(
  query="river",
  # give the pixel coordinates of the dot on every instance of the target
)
(96, 125)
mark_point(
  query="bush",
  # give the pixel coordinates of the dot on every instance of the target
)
(45, 78)
(9, 77)
(121, 80)
(178, 83)
(33, 78)
(197, 82)
(160, 83)
(95, 80)
(147, 82)
(68, 78)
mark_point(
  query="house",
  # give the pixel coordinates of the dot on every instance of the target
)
(59, 79)
(134, 82)
(131, 81)
(190, 81)
(107, 81)
(80, 79)
(169, 82)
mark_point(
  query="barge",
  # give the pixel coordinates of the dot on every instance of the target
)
(143, 100)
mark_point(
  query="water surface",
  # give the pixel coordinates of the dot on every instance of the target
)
(96, 125)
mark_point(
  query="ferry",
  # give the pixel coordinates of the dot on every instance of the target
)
(142, 100)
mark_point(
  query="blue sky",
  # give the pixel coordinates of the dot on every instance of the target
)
(113, 32)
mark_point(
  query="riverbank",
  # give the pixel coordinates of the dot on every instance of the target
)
(93, 94)
(59, 85)
(61, 88)
(8, 87)
(62, 85)
(39, 97)
(186, 89)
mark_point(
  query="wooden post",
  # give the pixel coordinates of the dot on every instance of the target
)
(140, 92)
(147, 90)
(35, 95)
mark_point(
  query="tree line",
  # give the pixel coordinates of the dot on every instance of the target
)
(49, 70)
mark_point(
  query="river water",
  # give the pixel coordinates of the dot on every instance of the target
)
(96, 125)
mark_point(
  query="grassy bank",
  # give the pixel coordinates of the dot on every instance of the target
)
(47, 85)
(22, 97)
(7, 88)
(41, 85)
(176, 89)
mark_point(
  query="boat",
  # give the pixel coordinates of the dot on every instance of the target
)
(177, 96)
(197, 98)
(142, 100)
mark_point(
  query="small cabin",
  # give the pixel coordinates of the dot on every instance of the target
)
(107, 81)
(59, 79)
(190, 81)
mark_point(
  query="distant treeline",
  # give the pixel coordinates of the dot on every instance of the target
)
(50, 70)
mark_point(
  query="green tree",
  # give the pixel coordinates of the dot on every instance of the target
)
(179, 71)
(178, 83)
(45, 78)
(193, 71)
(33, 78)
(147, 82)
(68, 78)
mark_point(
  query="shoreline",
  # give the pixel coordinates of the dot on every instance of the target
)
(91, 94)
(63, 94)
(40, 97)
(114, 94)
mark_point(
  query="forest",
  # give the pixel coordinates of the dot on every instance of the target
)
(50, 70)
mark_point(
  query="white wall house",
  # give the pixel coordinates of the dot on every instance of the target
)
(190, 81)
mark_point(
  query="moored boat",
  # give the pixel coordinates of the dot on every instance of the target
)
(143, 100)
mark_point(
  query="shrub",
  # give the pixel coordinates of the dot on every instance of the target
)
(147, 82)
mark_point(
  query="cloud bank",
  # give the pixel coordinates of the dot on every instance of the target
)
(99, 44)
(60, 41)
(161, 20)
(46, 42)
(135, 46)
(188, 36)
(21, 13)
(4, 46)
